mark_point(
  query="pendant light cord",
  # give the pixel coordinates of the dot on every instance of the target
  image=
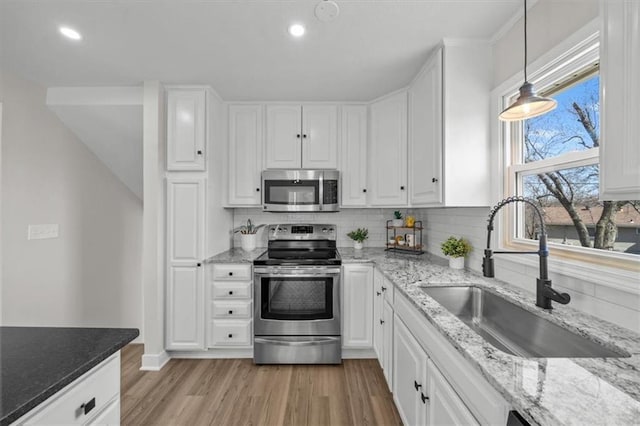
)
(525, 41)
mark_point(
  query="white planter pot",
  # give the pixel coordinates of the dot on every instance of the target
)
(456, 262)
(248, 241)
(397, 222)
(357, 245)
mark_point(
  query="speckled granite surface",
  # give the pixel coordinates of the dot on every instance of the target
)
(236, 255)
(37, 362)
(546, 391)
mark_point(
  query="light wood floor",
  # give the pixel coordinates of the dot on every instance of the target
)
(237, 392)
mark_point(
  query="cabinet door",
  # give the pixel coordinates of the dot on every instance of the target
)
(186, 129)
(387, 342)
(620, 109)
(425, 135)
(378, 324)
(245, 155)
(388, 158)
(185, 308)
(357, 299)
(185, 220)
(319, 137)
(444, 406)
(284, 135)
(409, 364)
(353, 158)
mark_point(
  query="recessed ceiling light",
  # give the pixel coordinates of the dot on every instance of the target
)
(296, 30)
(70, 33)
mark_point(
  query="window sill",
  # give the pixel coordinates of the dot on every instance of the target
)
(614, 271)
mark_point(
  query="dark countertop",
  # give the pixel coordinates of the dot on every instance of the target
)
(37, 362)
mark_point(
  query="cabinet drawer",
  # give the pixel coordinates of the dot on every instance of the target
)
(98, 387)
(232, 272)
(231, 290)
(231, 332)
(231, 309)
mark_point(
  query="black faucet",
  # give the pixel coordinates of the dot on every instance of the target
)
(544, 292)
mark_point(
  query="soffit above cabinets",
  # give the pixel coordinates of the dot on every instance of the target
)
(240, 48)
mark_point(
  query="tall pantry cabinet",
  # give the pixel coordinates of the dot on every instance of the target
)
(190, 134)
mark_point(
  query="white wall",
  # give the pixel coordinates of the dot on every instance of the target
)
(549, 22)
(346, 220)
(91, 274)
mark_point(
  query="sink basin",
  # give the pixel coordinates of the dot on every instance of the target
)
(513, 329)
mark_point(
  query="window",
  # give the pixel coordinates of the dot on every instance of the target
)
(554, 160)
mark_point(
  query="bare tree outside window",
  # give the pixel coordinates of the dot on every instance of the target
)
(569, 195)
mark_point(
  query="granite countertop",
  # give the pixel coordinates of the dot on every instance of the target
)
(37, 362)
(546, 391)
(236, 255)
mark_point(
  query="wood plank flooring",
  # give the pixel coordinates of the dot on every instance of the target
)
(237, 392)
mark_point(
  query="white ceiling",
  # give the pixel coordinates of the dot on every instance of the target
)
(239, 47)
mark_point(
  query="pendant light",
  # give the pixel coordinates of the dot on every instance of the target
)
(528, 104)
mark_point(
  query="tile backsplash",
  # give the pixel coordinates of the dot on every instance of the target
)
(346, 220)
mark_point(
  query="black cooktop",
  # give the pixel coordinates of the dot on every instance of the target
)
(295, 257)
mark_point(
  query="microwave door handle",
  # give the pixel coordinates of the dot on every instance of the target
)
(321, 192)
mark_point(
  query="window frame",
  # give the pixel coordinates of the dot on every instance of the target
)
(571, 56)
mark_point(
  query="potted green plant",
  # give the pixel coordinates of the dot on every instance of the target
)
(397, 221)
(358, 236)
(248, 235)
(456, 249)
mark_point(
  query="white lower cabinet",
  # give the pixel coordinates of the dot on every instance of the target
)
(230, 301)
(185, 308)
(357, 306)
(444, 406)
(422, 394)
(91, 399)
(383, 324)
(409, 371)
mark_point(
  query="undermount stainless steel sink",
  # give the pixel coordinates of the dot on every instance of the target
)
(515, 330)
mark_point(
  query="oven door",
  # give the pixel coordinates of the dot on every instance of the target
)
(297, 301)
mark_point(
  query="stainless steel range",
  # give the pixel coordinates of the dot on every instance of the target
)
(297, 297)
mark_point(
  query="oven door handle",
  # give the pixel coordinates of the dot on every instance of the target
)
(301, 274)
(315, 342)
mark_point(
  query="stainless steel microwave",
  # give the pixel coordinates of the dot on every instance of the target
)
(300, 190)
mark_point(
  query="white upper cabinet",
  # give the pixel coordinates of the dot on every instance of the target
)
(425, 134)
(186, 129)
(302, 137)
(319, 137)
(284, 135)
(620, 91)
(450, 127)
(388, 156)
(353, 156)
(245, 154)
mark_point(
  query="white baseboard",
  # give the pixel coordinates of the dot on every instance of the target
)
(154, 362)
(359, 353)
(218, 353)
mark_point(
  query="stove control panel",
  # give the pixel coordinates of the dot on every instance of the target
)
(300, 231)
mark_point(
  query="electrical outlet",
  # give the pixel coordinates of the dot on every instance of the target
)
(42, 232)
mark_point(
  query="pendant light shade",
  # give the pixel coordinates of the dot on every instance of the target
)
(528, 104)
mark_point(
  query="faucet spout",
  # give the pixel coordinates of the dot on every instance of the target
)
(544, 292)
